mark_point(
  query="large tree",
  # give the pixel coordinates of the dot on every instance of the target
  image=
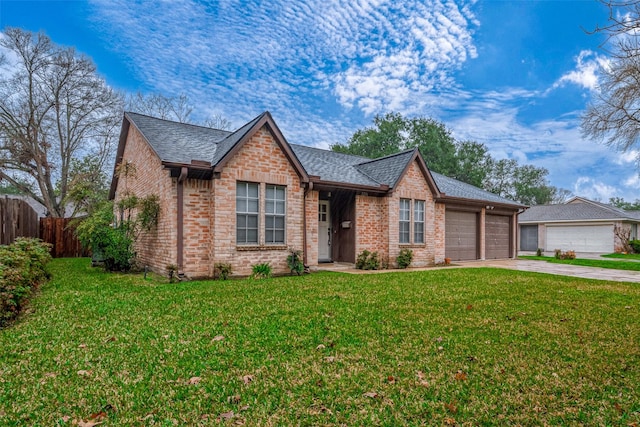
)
(467, 161)
(613, 116)
(392, 133)
(54, 110)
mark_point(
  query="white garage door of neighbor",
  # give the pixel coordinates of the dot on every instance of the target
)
(580, 238)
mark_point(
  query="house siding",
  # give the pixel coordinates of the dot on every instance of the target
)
(311, 212)
(259, 160)
(157, 248)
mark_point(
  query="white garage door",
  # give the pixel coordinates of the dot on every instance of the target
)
(580, 238)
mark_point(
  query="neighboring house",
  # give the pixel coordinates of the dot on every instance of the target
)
(580, 225)
(245, 197)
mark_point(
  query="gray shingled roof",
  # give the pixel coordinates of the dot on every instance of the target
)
(332, 166)
(181, 143)
(454, 188)
(387, 170)
(178, 142)
(580, 211)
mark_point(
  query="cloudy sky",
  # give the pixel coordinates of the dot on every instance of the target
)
(514, 75)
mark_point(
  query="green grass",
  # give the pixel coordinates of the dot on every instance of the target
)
(474, 347)
(623, 256)
(615, 265)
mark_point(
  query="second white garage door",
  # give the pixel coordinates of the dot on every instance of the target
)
(580, 238)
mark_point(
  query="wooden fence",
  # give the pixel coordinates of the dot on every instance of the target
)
(61, 235)
(17, 219)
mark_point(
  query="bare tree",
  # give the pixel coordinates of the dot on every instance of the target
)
(176, 108)
(54, 109)
(613, 116)
(217, 122)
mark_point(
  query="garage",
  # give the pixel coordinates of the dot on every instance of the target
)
(497, 236)
(461, 235)
(580, 238)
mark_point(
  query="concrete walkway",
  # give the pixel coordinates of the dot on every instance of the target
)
(514, 264)
(559, 269)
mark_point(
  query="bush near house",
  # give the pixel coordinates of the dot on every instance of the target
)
(22, 268)
(635, 245)
(368, 261)
(404, 258)
(564, 255)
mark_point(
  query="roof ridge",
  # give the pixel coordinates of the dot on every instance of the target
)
(388, 156)
(177, 122)
(329, 151)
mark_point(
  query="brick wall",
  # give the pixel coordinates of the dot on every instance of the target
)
(259, 160)
(157, 248)
(413, 186)
(371, 225)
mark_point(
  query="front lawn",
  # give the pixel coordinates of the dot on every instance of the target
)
(623, 256)
(443, 347)
(600, 263)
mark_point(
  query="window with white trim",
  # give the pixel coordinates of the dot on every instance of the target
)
(418, 221)
(274, 214)
(247, 212)
(405, 220)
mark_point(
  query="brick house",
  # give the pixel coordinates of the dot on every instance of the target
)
(245, 197)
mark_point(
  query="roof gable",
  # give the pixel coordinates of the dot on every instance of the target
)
(234, 142)
(391, 169)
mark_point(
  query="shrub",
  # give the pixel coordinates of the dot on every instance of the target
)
(539, 252)
(261, 271)
(404, 258)
(635, 245)
(564, 255)
(115, 244)
(22, 267)
(222, 270)
(294, 261)
(172, 269)
(367, 260)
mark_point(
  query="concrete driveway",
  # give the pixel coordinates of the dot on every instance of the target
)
(559, 269)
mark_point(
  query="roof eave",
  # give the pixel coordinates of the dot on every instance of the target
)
(478, 202)
(381, 189)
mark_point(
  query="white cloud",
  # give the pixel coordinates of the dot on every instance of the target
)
(585, 74)
(633, 181)
(594, 189)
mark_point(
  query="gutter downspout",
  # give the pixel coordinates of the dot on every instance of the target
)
(180, 223)
(304, 224)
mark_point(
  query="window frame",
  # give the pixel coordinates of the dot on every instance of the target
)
(418, 220)
(273, 230)
(404, 224)
(246, 214)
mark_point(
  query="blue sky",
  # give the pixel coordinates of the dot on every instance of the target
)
(515, 76)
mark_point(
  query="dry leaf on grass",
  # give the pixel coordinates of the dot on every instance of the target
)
(90, 423)
(227, 415)
(218, 338)
(460, 376)
(84, 373)
(321, 347)
(372, 395)
(194, 380)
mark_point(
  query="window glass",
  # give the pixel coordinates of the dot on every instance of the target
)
(275, 216)
(247, 202)
(405, 215)
(418, 221)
